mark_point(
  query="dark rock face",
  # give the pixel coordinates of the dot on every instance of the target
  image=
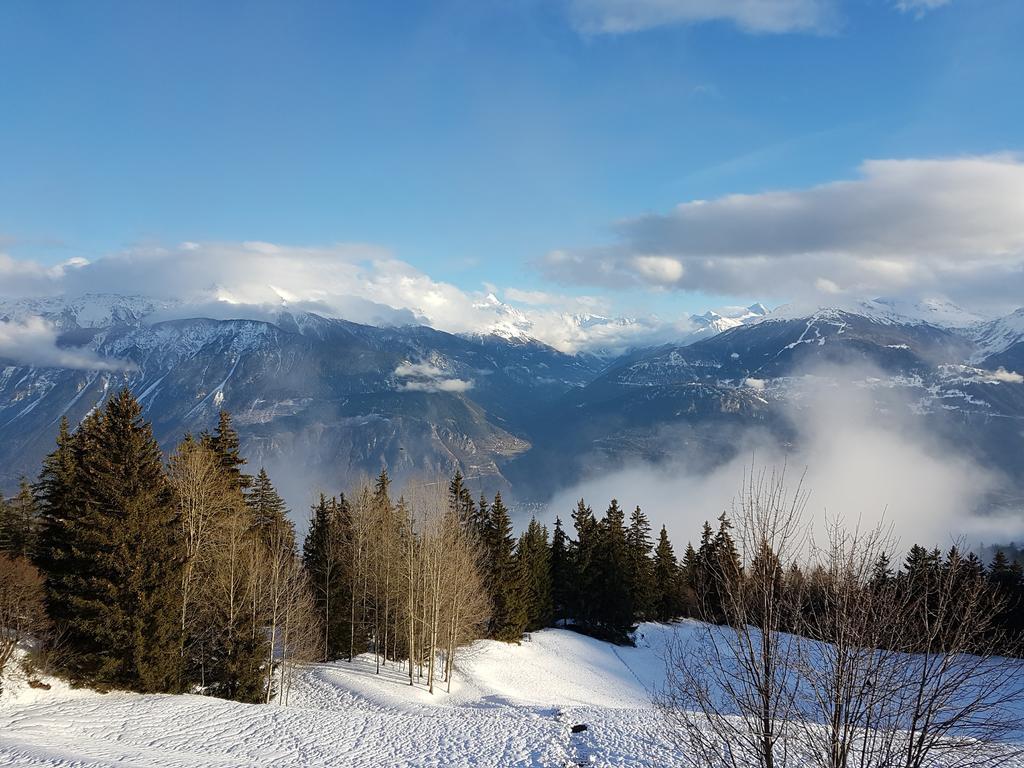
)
(320, 401)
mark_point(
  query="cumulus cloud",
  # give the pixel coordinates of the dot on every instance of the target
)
(865, 464)
(758, 16)
(953, 227)
(33, 341)
(426, 377)
(358, 282)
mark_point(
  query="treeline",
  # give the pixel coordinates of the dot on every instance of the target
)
(161, 577)
(182, 573)
(125, 570)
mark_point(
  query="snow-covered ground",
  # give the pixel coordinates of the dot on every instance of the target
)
(510, 705)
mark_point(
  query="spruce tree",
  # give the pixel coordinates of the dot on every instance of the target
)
(583, 580)
(60, 500)
(533, 560)
(480, 519)
(460, 500)
(881, 572)
(561, 572)
(640, 571)
(614, 592)
(19, 522)
(269, 512)
(226, 444)
(667, 602)
(508, 609)
(123, 622)
(324, 557)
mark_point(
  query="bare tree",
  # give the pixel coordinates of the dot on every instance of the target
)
(204, 495)
(731, 694)
(22, 615)
(961, 680)
(853, 631)
(839, 668)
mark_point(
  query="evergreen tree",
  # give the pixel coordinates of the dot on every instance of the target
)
(1005, 577)
(225, 443)
(881, 572)
(614, 591)
(19, 522)
(460, 500)
(324, 557)
(640, 573)
(508, 615)
(269, 512)
(561, 572)
(59, 491)
(668, 593)
(533, 556)
(123, 614)
(583, 579)
(480, 519)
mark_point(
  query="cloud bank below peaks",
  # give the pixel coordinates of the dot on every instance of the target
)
(33, 341)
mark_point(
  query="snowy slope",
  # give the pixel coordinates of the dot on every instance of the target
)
(510, 706)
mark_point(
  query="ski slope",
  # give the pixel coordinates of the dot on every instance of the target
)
(510, 705)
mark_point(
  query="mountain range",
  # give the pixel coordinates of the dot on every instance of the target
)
(319, 400)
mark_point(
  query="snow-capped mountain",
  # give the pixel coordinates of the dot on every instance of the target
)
(92, 310)
(1002, 339)
(317, 399)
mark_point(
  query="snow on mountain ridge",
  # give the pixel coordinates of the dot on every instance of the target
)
(936, 312)
(999, 335)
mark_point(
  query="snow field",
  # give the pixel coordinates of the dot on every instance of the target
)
(509, 706)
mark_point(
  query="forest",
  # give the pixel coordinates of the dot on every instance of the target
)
(122, 568)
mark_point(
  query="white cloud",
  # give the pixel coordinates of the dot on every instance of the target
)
(953, 227)
(426, 377)
(756, 384)
(758, 16)
(1003, 376)
(920, 7)
(929, 491)
(33, 341)
(357, 282)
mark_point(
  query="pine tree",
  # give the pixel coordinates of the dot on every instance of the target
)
(19, 522)
(667, 602)
(583, 580)
(533, 561)
(640, 572)
(324, 555)
(561, 572)
(269, 512)
(508, 615)
(59, 491)
(480, 519)
(226, 444)
(614, 591)
(881, 572)
(123, 622)
(460, 500)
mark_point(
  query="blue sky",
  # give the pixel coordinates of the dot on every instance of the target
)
(472, 138)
